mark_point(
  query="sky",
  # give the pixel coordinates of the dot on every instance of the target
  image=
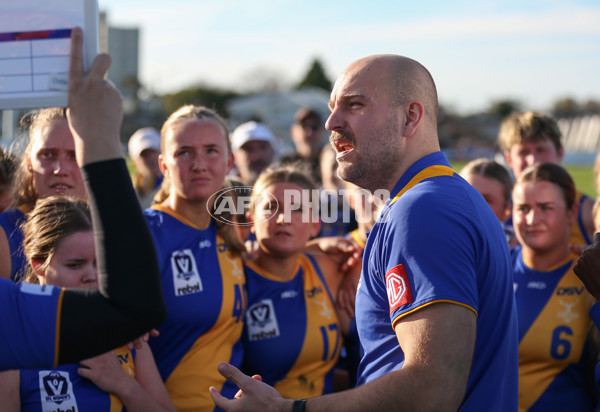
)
(478, 51)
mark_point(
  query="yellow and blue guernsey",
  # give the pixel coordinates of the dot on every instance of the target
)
(595, 315)
(555, 359)
(11, 221)
(437, 240)
(292, 333)
(30, 315)
(205, 292)
(62, 389)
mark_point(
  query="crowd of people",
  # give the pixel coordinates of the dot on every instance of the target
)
(360, 272)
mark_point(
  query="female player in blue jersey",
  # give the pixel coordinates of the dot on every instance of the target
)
(48, 167)
(75, 324)
(59, 247)
(199, 257)
(556, 355)
(292, 336)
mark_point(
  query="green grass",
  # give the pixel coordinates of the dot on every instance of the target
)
(582, 175)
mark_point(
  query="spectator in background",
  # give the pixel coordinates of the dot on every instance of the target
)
(307, 134)
(493, 181)
(527, 138)
(8, 167)
(254, 149)
(144, 148)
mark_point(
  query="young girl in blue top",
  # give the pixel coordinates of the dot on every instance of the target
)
(292, 335)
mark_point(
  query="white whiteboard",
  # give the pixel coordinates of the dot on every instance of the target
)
(35, 42)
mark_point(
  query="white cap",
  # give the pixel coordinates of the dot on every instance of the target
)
(142, 139)
(249, 131)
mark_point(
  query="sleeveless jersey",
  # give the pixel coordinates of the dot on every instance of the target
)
(437, 240)
(555, 366)
(30, 315)
(205, 292)
(62, 389)
(10, 221)
(292, 333)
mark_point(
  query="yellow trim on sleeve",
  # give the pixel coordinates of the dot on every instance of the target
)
(57, 333)
(431, 171)
(429, 304)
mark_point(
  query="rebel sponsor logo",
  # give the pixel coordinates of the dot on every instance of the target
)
(186, 278)
(56, 392)
(398, 288)
(261, 321)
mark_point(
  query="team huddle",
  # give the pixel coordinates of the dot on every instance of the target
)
(471, 290)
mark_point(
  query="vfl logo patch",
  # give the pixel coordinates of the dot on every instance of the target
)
(186, 279)
(398, 289)
(56, 390)
(261, 321)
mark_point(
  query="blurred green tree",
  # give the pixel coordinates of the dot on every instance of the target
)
(315, 77)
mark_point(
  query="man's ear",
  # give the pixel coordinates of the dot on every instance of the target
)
(413, 112)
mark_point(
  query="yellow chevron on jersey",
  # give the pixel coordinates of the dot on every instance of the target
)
(127, 363)
(555, 339)
(318, 343)
(304, 380)
(197, 370)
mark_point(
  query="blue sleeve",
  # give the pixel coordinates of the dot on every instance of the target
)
(429, 255)
(595, 314)
(29, 325)
(10, 221)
